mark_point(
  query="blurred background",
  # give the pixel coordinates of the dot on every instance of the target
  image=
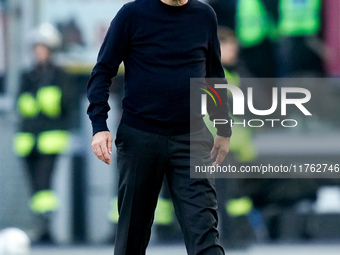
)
(60, 195)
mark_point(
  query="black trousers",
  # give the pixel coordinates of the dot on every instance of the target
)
(40, 169)
(143, 160)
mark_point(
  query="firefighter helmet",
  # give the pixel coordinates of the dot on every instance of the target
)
(48, 35)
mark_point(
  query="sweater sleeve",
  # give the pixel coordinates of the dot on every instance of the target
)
(112, 52)
(215, 70)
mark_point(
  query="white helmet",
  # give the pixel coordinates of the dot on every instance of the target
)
(14, 241)
(46, 34)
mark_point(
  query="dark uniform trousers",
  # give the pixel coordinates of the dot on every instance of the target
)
(143, 160)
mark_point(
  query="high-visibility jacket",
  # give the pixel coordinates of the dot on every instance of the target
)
(241, 142)
(253, 23)
(44, 201)
(299, 17)
(43, 105)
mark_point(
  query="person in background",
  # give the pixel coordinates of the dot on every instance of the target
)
(43, 106)
(256, 33)
(225, 11)
(242, 148)
(300, 47)
(229, 51)
(234, 204)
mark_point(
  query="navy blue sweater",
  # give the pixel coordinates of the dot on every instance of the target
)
(162, 47)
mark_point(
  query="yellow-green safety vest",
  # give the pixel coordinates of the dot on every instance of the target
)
(253, 23)
(241, 143)
(46, 101)
(239, 206)
(47, 142)
(299, 17)
(232, 77)
(44, 201)
(164, 213)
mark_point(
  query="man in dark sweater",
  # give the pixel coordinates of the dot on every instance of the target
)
(163, 43)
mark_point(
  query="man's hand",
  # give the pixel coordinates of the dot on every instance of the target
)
(102, 146)
(221, 149)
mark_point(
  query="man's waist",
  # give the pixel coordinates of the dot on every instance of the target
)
(170, 127)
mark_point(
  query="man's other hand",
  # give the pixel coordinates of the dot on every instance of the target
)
(102, 146)
(221, 149)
